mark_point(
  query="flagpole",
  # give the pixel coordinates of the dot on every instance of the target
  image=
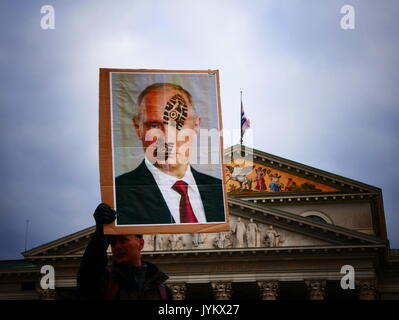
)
(26, 234)
(241, 120)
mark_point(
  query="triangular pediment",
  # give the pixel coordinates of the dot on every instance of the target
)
(251, 226)
(73, 244)
(252, 172)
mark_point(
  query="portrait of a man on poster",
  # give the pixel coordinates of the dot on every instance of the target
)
(163, 172)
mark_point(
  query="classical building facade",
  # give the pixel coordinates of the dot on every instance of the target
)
(296, 233)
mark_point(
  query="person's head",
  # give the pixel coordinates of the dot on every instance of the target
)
(126, 249)
(168, 108)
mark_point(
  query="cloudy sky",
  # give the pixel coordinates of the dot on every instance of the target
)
(315, 93)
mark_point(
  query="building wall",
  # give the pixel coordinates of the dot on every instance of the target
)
(354, 215)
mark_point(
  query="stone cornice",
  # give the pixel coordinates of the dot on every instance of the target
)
(262, 251)
(273, 198)
(236, 252)
(265, 276)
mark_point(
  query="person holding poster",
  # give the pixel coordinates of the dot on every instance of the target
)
(165, 119)
(128, 277)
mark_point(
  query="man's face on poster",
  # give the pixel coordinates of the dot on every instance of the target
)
(166, 125)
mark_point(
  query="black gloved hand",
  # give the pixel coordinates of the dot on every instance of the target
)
(103, 214)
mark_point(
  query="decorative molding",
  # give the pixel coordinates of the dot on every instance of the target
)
(320, 196)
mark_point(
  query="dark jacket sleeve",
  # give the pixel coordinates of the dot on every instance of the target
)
(93, 276)
(169, 292)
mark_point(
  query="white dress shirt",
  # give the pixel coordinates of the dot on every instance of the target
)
(165, 183)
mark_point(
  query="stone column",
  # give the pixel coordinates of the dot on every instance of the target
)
(46, 294)
(269, 289)
(366, 289)
(222, 290)
(179, 290)
(316, 289)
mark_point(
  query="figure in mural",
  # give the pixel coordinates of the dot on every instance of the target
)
(272, 238)
(159, 242)
(236, 173)
(260, 179)
(239, 229)
(274, 185)
(222, 240)
(179, 244)
(198, 239)
(259, 237)
(176, 242)
(150, 241)
(252, 231)
(291, 184)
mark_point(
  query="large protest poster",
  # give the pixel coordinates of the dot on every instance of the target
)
(161, 151)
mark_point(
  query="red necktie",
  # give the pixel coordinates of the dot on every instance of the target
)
(186, 211)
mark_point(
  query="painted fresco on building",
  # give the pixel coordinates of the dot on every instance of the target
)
(249, 177)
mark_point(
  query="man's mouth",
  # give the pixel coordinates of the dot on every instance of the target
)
(120, 255)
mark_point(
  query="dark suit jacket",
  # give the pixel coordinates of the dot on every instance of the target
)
(139, 200)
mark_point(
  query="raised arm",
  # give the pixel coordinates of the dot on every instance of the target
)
(92, 275)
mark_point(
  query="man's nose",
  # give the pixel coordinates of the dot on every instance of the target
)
(116, 246)
(170, 133)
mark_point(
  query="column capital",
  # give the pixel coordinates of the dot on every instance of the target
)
(222, 290)
(316, 289)
(269, 289)
(366, 289)
(179, 290)
(46, 294)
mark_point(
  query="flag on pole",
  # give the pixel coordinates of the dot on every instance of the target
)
(245, 123)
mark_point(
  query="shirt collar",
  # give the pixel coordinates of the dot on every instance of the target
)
(163, 178)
